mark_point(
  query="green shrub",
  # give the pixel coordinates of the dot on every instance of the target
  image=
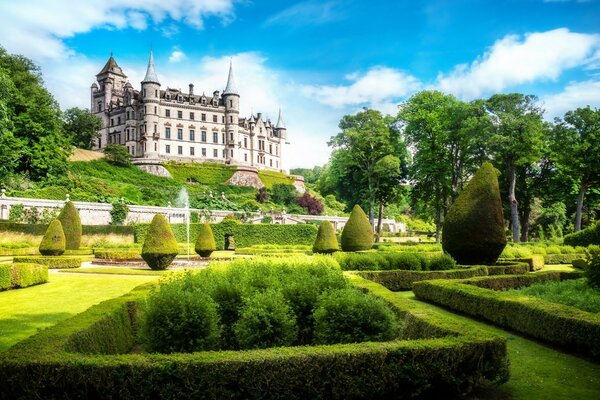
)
(160, 246)
(53, 242)
(561, 258)
(204, 173)
(592, 272)
(266, 320)
(52, 262)
(536, 262)
(585, 237)
(573, 292)
(441, 262)
(398, 280)
(473, 231)
(5, 282)
(358, 233)
(205, 244)
(118, 213)
(381, 261)
(71, 224)
(350, 316)
(117, 254)
(579, 263)
(24, 275)
(326, 241)
(271, 178)
(180, 321)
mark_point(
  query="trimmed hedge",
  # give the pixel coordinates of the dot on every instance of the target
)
(357, 234)
(536, 262)
(326, 241)
(39, 229)
(20, 275)
(118, 254)
(160, 247)
(82, 358)
(585, 237)
(558, 324)
(53, 243)
(205, 244)
(71, 223)
(246, 235)
(561, 258)
(53, 262)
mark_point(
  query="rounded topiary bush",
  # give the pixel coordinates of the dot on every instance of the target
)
(71, 225)
(53, 242)
(441, 262)
(473, 231)
(205, 244)
(160, 246)
(350, 316)
(266, 320)
(326, 241)
(358, 233)
(177, 320)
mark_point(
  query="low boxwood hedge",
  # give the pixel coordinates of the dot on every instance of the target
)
(40, 229)
(483, 298)
(20, 275)
(536, 262)
(562, 258)
(83, 357)
(54, 262)
(118, 254)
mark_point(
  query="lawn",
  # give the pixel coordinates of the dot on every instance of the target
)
(116, 271)
(574, 293)
(24, 311)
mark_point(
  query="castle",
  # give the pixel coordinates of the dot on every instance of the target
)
(156, 124)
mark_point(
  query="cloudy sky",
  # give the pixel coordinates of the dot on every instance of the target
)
(318, 60)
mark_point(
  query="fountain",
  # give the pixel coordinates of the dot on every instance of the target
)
(183, 200)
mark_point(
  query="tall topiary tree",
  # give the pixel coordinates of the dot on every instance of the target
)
(358, 233)
(326, 241)
(71, 225)
(160, 246)
(473, 230)
(53, 242)
(205, 244)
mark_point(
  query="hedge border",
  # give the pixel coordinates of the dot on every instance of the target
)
(562, 258)
(52, 364)
(536, 262)
(483, 298)
(22, 275)
(54, 262)
(40, 229)
(118, 254)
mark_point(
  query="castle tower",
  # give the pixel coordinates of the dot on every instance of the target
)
(150, 99)
(231, 100)
(281, 133)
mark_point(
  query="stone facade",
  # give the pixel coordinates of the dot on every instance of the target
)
(169, 124)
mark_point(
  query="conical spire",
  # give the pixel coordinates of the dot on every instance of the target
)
(151, 76)
(280, 123)
(111, 67)
(230, 88)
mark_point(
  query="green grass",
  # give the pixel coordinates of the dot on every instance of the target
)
(23, 312)
(204, 173)
(116, 271)
(537, 371)
(270, 178)
(574, 293)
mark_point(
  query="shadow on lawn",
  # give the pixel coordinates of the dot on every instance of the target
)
(21, 326)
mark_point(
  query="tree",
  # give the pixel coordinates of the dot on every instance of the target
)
(81, 126)
(117, 154)
(388, 178)
(284, 194)
(517, 141)
(311, 204)
(576, 148)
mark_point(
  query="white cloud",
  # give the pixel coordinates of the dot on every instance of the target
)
(309, 12)
(379, 88)
(514, 60)
(177, 56)
(574, 95)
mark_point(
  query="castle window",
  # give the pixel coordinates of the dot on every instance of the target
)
(168, 149)
(179, 134)
(127, 134)
(155, 128)
(224, 153)
(127, 115)
(155, 93)
(215, 153)
(215, 118)
(223, 119)
(223, 138)
(271, 149)
(167, 113)
(245, 142)
(99, 106)
(203, 117)
(145, 110)
(231, 119)
(179, 114)
(118, 120)
(192, 151)
(231, 153)
(144, 92)
(230, 135)
(215, 137)
(246, 157)
(112, 122)
(154, 146)
(277, 163)
(203, 136)
(155, 110)
(133, 114)
(192, 116)
(192, 135)
(276, 150)
(230, 103)
(271, 163)
(180, 150)
(167, 133)
(203, 152)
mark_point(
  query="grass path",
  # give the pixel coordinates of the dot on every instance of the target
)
(538, 371)
(24, 311)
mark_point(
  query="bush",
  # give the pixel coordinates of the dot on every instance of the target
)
(398, 280)
(441, 262)
(285, 194)
(573, 292)
(358, 233)
(561, 258)
(349, 316)
(326, 241)
(71, 224)
(180, 321)
(205, 244)
(381, 261)
(160, 246)
(579, 263)
(118, 213)
(473, 231)
(117, 154)
(117, 254)
(262, 196)
(22, 275)
(272, 178)
(266, 320)
(53, 242)
(536, 262)
(585, 237)
(204, 173)
(16, 212)
(52, 262)
(592, 272)
(311, 204)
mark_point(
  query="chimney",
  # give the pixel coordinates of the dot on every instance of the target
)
(191, 89)
(259, 116)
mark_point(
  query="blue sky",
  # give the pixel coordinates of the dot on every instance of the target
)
(318, 60)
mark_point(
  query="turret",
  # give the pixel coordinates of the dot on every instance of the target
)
(231, 100)
(150, 98)
(280, 129)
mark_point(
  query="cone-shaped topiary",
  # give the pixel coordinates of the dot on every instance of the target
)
(53, 242)
(473, 231)
(358, 233)
(326, 241)
(205, 244)
(71, 225)
(160, 246)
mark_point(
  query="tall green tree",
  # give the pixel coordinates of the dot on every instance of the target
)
(81, 126)
(576, 148)
(517, 141)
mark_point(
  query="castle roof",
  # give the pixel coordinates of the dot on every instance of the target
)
(151, 76)
(111, 66)
(280, 123)
(230, 88)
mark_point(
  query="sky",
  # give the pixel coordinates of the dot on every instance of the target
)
(318, 60)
